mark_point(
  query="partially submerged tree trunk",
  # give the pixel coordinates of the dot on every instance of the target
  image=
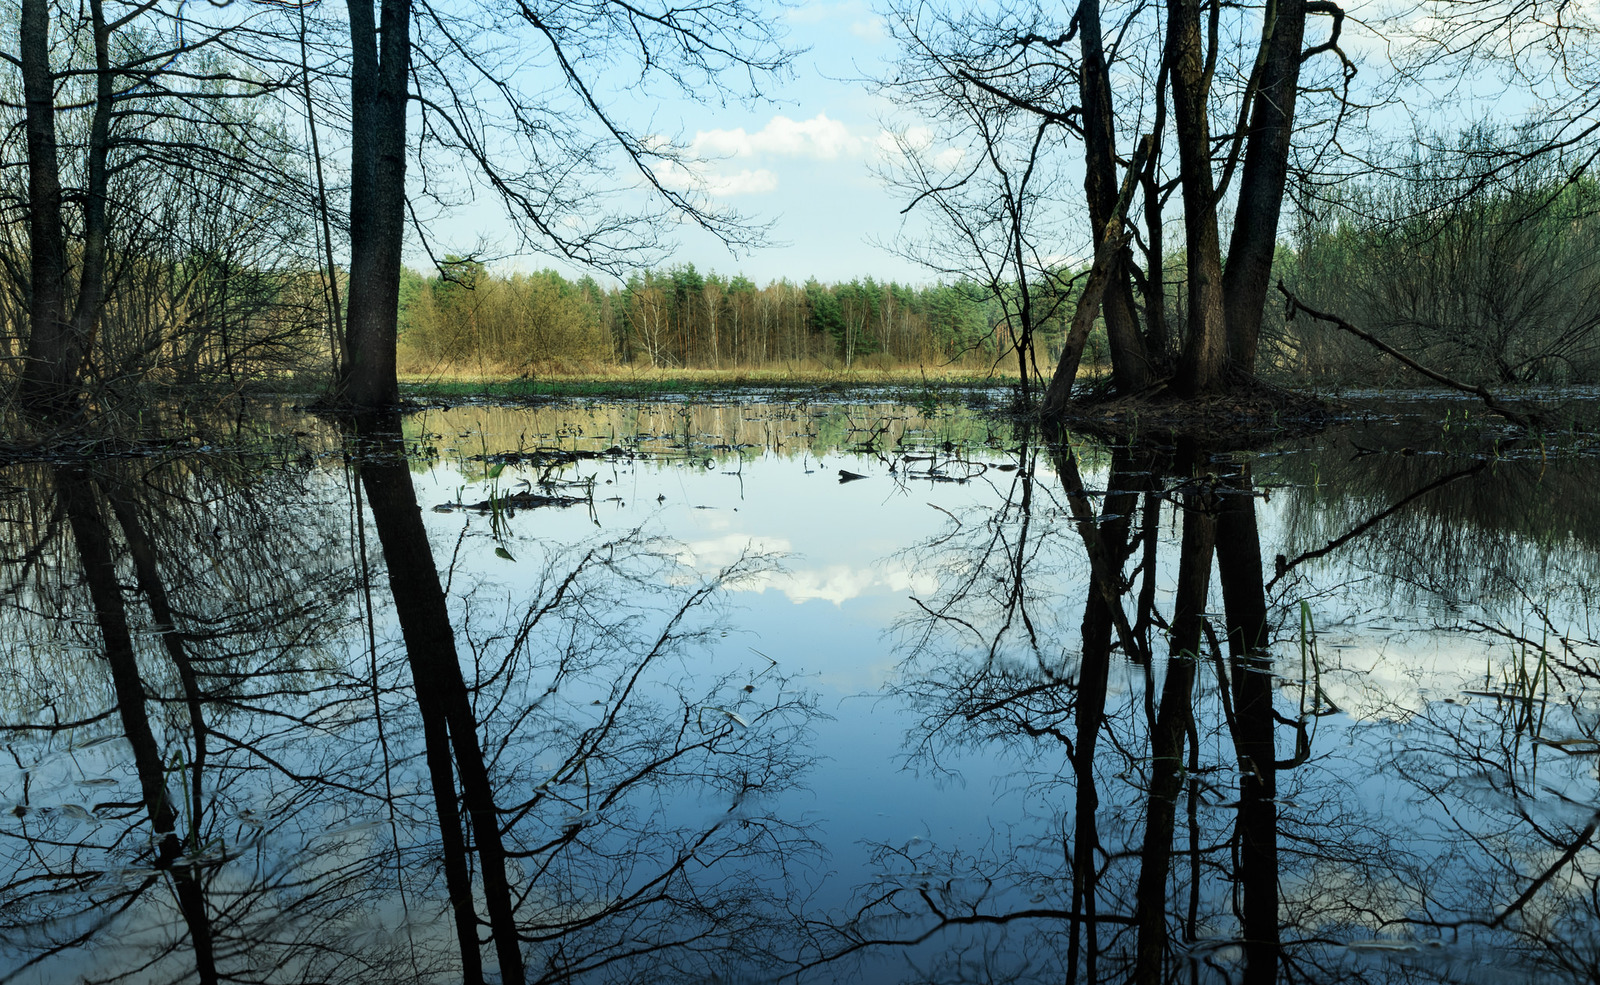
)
(1130, 363)
(1203, 366)
(1248, 276)
(379, 75)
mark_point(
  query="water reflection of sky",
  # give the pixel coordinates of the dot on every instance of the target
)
(1418, 631)
(1388, 649)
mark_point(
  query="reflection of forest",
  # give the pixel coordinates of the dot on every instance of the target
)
(1195, 808)
(705, 430)
(225, 761)
(1468, 528)
(255, 719)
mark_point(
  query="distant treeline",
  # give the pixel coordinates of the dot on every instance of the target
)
(1493, 285)
(1490, 284)
(467, 317)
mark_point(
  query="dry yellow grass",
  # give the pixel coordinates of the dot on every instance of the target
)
(792, 372)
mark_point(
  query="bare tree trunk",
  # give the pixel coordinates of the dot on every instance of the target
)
(58, 340)
(53, 353)
(1112, 241)
(1130, 363)
(1248, 276)
(91, 281)
(1059, 392)
(1203, 365)
(378, 79)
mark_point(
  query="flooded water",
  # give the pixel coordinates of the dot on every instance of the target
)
(757, 692)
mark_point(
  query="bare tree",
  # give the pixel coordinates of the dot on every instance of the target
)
(1173, 79)
(550, 155)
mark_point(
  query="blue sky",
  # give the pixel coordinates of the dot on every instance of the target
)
(801, 159)
(804, 157)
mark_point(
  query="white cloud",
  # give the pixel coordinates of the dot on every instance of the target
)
(871, 31)
(816, 13)
(916, 141)
(818, 137)
(702, 177)
(757, 182)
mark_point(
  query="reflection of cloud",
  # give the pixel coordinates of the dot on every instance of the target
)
(723, 551)
(839, 583)
(836, 583)
(818, 137)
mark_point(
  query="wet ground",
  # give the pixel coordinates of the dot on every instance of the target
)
(814, 692)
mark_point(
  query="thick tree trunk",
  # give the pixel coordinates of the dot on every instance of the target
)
(59, 338)
(1261, 183)
(1130, 364)
(53, 353)
(378, 94)
(1203, 365)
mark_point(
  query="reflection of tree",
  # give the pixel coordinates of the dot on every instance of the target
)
(450, 732)
(1459, 531)
(1133, 861)
(278, 819)
(154, 857)
(1181, 819)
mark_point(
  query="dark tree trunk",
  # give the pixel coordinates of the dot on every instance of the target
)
(1130, 364)
(53, 353)
(1203, 366)
(1261, 182)
(58, 339)
(96, 235)
(378, 80)
(1107, 259)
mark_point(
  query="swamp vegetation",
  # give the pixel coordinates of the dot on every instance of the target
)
(1141, 668)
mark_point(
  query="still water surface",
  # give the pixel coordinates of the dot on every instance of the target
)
(749, 692)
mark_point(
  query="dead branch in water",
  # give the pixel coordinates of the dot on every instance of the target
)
(1524, 421)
